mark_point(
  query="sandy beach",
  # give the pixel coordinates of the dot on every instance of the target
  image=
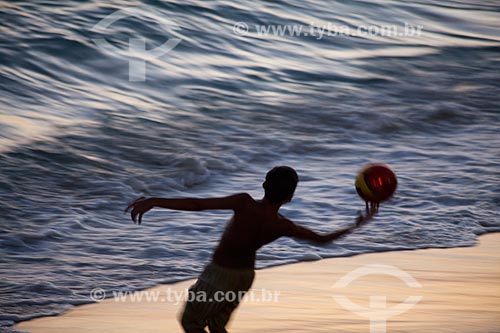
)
(455, 290)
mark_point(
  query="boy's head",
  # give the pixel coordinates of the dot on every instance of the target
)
(280, 184)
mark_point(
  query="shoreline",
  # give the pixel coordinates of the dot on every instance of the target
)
(453, 299)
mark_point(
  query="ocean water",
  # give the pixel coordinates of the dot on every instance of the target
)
(79, 139)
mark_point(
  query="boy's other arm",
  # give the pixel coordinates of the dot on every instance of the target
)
(300, 232)
(142, 205)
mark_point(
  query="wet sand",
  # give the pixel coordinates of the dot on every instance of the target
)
(458, 290)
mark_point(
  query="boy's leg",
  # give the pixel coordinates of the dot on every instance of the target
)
(217, 323)
(198, 309)
(191, 321)
(200, 304)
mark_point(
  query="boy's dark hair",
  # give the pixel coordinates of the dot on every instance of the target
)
(280, 184)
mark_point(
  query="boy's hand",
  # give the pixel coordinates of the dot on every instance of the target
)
(370, 211)
(139, 207)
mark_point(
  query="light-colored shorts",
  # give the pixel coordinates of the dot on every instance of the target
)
(214, 296)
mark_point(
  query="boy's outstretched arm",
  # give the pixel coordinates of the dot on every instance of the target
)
(300, 232)
(142, 205)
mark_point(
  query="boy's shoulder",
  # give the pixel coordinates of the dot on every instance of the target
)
(242, 200)
(287, 223)
(244, 197)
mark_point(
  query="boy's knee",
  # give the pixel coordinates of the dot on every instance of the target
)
(191, 325)
(194, 330)
(217, 327)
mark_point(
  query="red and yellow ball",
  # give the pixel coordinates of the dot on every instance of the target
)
(376, 183)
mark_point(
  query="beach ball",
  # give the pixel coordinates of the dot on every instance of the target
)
(376, 183)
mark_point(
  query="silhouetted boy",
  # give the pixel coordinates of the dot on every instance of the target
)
(255, 223)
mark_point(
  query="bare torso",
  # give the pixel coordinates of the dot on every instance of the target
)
(251, 227)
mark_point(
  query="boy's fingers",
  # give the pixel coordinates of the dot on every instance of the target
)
(131, 204)
(128, 207)
(373, 209)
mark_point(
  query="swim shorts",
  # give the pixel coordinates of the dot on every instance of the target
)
(214, 296)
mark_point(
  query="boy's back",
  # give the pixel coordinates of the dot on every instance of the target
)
(253, 225)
